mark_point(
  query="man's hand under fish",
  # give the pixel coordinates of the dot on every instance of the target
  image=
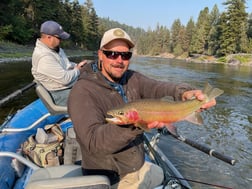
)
(188, 95)
(198, 94)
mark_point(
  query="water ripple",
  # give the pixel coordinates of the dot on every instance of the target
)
(227, 126)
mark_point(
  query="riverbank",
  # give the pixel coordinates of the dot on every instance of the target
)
(10, 52)
(232, 59)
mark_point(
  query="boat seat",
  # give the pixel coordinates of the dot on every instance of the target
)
(46, 98)
(66, 176)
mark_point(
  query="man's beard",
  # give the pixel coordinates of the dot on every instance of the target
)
(116, 79)
(57, 49)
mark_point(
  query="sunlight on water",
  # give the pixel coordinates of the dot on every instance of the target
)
(227, 127)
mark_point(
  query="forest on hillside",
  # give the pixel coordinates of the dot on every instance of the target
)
(214, 33)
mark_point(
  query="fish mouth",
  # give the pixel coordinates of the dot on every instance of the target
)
(114, 120)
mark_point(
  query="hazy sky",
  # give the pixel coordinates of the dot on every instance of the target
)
(147, 13)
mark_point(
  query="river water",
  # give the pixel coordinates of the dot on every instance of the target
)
(227, 127)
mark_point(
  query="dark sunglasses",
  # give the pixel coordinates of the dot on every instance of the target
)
(57, 37)
(114, 54)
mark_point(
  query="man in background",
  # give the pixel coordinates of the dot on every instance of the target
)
(50, 65)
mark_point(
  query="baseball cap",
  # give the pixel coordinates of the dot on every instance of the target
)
(116, 33)
(53, 28)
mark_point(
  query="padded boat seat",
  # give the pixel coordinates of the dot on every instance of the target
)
(46, 98)
(66, 176)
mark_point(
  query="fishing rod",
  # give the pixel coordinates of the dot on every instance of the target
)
(201, 147)
(16, 93)
(200, 182)
(169, 177)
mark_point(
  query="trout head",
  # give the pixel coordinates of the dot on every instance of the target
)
(123, 117)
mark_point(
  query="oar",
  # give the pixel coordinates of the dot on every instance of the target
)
(16, 93)
(202, 147)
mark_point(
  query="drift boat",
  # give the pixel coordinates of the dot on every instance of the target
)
(19, 172)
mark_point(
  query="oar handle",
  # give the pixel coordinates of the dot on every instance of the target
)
(209, 151)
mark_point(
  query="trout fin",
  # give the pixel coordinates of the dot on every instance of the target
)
(143, 127)
(195, 118)
(172, 129)
(211, 92)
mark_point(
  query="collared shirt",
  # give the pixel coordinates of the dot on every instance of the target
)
(119, 87)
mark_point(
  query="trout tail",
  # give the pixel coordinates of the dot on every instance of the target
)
(211, 92)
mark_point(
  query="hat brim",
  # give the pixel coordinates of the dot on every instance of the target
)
(130, 43)
(64, 35)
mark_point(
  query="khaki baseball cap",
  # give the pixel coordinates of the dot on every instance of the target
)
(116, 33)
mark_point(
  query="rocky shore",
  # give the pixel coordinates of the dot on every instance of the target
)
(5, 60)
(21, 59)
(232, 59)
(201, 59)
(10, 52)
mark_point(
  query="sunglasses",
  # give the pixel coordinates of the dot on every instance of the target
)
(56, 37)
(114, 55)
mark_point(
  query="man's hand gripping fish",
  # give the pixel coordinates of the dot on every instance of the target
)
(142, 112)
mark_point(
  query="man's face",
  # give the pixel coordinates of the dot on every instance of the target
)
(51, 41)
(55, 41)
(114, 64)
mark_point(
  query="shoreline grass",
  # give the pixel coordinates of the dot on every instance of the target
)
(12, 52)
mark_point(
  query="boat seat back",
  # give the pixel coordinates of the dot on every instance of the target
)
(66, 176)
(47, 99)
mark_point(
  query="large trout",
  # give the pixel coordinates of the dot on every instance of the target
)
(142, 112)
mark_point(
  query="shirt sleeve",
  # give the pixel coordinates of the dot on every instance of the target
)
(57, 71)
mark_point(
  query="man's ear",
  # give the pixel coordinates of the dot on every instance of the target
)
(99, 59)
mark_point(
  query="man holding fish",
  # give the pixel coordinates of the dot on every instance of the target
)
(114, 146)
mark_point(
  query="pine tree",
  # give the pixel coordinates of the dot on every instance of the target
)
(175, 31)
(249, 32)
(90, 26)
(199, 43)
(213, 36)
(233, 28)
(76, 25)
(190, 28)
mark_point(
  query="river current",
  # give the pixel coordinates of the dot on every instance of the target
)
(227, 127)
